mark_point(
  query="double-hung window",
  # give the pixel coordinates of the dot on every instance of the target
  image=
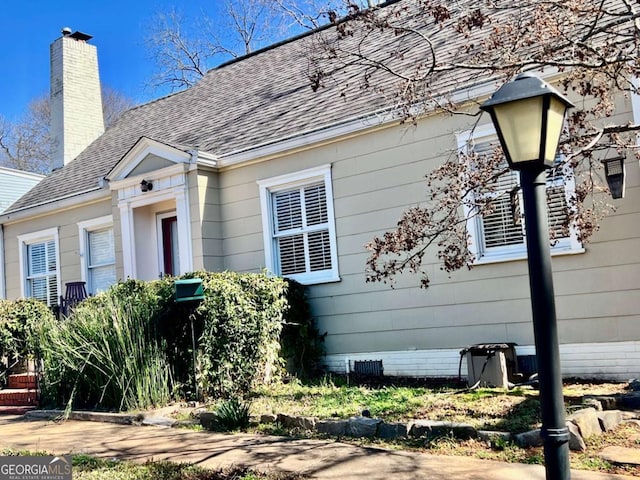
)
(499, 233)
(39, 265)
(299, 226)
(97, 253)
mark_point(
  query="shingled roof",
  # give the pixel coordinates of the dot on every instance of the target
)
(261, 98)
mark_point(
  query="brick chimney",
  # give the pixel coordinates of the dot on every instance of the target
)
(76, 100)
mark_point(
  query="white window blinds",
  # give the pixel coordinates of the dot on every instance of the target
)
(301, 229)
(101, 264)
(503, 226)
(42, 281)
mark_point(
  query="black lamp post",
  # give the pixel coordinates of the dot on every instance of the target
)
(528, 115)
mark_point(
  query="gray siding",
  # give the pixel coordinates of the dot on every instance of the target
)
(13, 186)
(375, 178)
(67, 223)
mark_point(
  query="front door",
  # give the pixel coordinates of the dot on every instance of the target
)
(169, 258)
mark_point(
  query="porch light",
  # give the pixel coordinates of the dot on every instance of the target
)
(146, 186)
(614, 172)
(528, 115)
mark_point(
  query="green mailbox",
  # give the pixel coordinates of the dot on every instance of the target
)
(189, 290)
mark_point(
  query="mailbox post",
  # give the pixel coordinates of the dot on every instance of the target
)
(190, 291)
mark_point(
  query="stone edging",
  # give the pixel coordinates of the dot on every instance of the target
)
(600, 416)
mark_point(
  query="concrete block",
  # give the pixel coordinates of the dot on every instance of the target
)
(392, 430)
(363, 427)
(159, 421)
(607, 402)
(528, 439)
(621, 455)
(433, 428)
(335, 428)
(288, 421)
(629, 401)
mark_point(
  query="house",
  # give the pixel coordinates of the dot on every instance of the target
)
(252, 169)
(14, 184)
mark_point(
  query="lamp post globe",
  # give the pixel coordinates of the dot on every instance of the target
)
(528, 114)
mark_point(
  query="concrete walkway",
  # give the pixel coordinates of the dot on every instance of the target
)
(316, 458)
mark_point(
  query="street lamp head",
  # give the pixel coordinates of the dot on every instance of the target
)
(614, 172)
(528, 115)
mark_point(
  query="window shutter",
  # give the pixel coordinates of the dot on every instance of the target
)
(319, 251)
(53, 289)
(36, 254)
(39, 289)
(499, 226)
(288, 210)
(292, 256)
(315, 203)
(51, 256)
(558, 210)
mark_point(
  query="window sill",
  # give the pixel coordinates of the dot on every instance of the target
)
(522, 255)
(315, 280)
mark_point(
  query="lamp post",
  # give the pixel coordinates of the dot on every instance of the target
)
(528, 115)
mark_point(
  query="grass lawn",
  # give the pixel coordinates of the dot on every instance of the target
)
(515, 411)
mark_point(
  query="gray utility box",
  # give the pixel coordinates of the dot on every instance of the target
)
(491, 364)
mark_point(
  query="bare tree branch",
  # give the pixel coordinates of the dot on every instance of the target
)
(433, 50)
(26, 143)
(185, 49)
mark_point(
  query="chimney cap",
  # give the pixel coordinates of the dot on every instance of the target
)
(81, 36)
(66, 32)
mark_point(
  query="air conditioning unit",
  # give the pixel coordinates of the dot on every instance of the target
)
(491, 364)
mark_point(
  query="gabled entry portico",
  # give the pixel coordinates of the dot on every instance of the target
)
(151, 185)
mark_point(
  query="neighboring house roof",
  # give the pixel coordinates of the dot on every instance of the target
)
(261, 98)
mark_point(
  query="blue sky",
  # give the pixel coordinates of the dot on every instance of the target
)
(119, 29)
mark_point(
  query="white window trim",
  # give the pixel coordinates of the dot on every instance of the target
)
(83, 230)
(282, 182)
(564, 246)
(31, 238)
(181, 197)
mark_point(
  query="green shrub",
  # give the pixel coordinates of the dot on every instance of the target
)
(108, 353)
(131, 346)
(233, 414)
(302, 345)
(239, 329)
(18, 322)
